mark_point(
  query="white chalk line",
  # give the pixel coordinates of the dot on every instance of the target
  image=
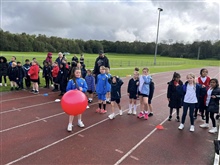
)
(54, 143)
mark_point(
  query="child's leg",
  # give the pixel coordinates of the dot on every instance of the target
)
(80, 123)
(145, 103)
(36, 86)
(0, 80)
(135, 106)
(113, 107)
(213, 119)
(5, 80)
(185, 108)
(141, 103)
(70, 125)
(191, 111)
(130, 106)
(12, 84)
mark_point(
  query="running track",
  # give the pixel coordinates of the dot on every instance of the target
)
(33, 131)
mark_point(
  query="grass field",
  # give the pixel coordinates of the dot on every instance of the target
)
(121, 64)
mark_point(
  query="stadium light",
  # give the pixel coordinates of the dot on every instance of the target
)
(155, 55)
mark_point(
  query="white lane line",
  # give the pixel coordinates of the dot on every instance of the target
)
(43, 119)
(80, 135)
(137, 145)
(27, 97)
(133, 157)
(119, 151)
(56, 142)
(31, 106)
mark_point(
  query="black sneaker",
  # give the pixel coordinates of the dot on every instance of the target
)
(12, 88)
(36, 92)
(170, 117)
(108, 102)
(203, 117)
(178, 119)
(150, 114)
(16, 88)
(217, 117)
(89, 101)
(61, 94)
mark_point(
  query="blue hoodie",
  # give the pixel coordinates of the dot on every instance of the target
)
(102, 82)
(79, 83)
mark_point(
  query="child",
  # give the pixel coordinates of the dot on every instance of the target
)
(174, 96)
(151, 93)
(133, 92)
(212, 104)
(46, 74)
(34, 76)
(3, 70)
(191, 92)
(22, 74)
(204, 81)
(144, 90)
(26, 67)
(108, 86)
(55, 71)
(62, 78)
(101, 90)
(116, 84)
(13, 59)
(76, 83)
(13, 76)
(81, 60)
(90, 80)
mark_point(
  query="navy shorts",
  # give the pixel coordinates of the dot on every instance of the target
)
(116, 100)
(132, 96)
(101, 97)
(141, 94)
(90, 91)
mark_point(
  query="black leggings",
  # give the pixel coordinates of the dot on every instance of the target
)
(5, 80)
(211, 117)
(177, 111)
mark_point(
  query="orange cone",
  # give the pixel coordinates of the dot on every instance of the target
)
(159, 127)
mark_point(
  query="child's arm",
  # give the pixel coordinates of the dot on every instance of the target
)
(70, 85)
(147, 79)
(93, 84)
(84, 87)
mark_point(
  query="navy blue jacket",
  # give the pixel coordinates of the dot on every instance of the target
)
(116, 88)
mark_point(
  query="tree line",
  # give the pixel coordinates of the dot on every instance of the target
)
(41, 43)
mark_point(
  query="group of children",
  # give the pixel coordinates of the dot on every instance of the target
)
(139, 86)
(202, 95)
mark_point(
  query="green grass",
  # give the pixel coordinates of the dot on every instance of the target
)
(121, 64)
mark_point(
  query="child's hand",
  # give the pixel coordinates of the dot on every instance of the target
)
(168, 99)
(80, 88)
(213, 96)
(203, 86)
(137, 83)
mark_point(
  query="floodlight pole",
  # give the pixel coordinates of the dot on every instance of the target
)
(155, 55)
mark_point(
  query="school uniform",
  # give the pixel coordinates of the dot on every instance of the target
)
(144, 85)
(22, 74)
(47, 75)
(132, 88)
(109, 84)
(101, 86)
(90, 80)
(62, 79)
(27, 79)
(116, 90)
(34, 73)
(13, 74)
(79, 82)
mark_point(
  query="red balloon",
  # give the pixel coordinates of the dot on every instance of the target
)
(74, 102)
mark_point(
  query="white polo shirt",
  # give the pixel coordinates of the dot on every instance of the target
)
(190, 96)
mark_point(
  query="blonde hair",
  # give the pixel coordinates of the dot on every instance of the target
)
(102, 67)
(193, 76)
(147, 69)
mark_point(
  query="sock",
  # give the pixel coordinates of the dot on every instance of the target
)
(171, 111)
(104, 106)
(90, 98)
(79, 120)
(135, 107)
(145, 111)
(100, 105)
(130, 106)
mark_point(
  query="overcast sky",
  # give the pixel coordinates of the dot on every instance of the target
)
(127, 20)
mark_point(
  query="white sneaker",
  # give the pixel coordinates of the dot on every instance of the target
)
(52, 85)
(111, 116)
(129, 112)
(69, 127)
(80, 124)
(134, 112)
(192, 128)
(205, 125)
(181, 126)
(213, 130)
(120, 112)
(5, 85)
(0, 84)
